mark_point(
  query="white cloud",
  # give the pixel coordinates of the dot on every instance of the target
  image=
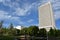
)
(1, 0)
(16, 19)
(31, 20)
(18, 27)
(4, 16)
(9, 3)
(16, 6)
(56, 8)
(23, 11)
(57, 15)
(20, 12)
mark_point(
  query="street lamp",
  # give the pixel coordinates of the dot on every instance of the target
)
(47, 35)
(25, 34)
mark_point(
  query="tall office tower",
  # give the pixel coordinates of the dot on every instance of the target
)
(46, 17)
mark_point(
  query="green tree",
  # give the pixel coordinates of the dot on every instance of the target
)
(42, 32)
(17, 31)
(51, 32)
(32, 30)
(1, 25)
(5, 31)
(11, 30)
(57, 33)
(24, 31)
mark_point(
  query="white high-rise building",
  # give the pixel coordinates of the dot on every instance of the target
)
(46, 17)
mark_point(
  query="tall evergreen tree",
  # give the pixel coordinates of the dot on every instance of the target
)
(1, 24)
(11, 26)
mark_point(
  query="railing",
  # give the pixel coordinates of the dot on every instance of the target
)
(31, 38)
(45, 38)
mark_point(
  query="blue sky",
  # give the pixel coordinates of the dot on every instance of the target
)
(25, 12)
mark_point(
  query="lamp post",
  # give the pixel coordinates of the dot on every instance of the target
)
(47, 35)
(25, 34)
